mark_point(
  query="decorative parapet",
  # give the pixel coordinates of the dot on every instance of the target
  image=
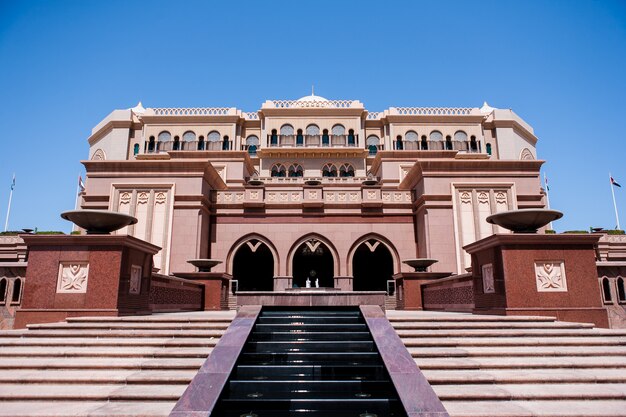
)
(374, 115)
(191, 111)
(612, 248)
(434, 111)
(251, 115)
(299, 104)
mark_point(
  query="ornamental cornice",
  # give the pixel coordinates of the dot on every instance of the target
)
(306, 153)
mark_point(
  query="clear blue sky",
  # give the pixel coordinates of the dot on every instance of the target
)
(561, 65)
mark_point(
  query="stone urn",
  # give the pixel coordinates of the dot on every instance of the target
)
(313, 181)
(524, 220)
(420, 264)
(98, 222)
(255, 181)
(371, 180)
(204, 265)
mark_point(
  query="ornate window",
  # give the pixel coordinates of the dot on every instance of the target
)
(411, 136)
(621, 291)
(278, 170)
(17, 291)
(136, 149)
(329, 170)
(372, 142)
(346, 170)
(338, 130)
(3, 290)
(460, 136)
(606, 290)
(253, 144)
(214, 136)
(399, 144)
(436, 135)
(151, 144)
(312, 130)
(295, 170)
(201, 143)
(189, 136)
(286, 129)
(164, 137)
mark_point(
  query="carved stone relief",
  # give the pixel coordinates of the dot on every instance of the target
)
(73, 277)
(135, 279)
(488, 284)
(550, 276)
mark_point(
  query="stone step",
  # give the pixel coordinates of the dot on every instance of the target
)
(89, 392)
(430, 316)
(90, 351)
(545, 408)
(496, 376)
(100, 363)
(202, 317)
(222, 325)
(522, 362)
(509, 341)
(98, 376)
(85, 408)
(473, 392)
(126, 341)
(489, 325)
(493, 333)
(489, 351)
(123, 333)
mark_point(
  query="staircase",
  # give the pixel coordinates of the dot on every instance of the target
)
(309, 363)
(105, 366)
(517, 366)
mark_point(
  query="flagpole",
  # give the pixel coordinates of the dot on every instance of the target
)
(545, 183)
(614, 203)
(6, 222)
(77, 193)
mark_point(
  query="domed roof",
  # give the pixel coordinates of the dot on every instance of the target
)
(311, 98)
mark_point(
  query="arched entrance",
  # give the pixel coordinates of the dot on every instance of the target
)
(253, 267)
(313, 260)
(372, 266)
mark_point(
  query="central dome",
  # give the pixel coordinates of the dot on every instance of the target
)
(311, 98)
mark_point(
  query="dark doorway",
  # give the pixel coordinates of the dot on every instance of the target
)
(253, 267)
(371, 268)
(313, 260)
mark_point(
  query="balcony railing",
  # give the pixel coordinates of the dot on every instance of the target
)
(438, 145)
(174, 145)
(312, 141)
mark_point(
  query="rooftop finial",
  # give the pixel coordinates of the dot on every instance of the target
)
(312, 89)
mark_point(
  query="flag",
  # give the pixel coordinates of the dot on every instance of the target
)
(13, 183)
(81, 185)
(545, 179)
(615, 182)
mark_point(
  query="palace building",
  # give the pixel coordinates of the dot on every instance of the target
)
(315, 189)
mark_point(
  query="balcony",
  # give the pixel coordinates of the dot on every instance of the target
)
(175, 145)
(312, 141)
(471, 146)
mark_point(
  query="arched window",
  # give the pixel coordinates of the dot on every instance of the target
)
(436, 135)
(372, 143)
(151, 144)
(325, 138)
(473, 144)
(274, 138)
(460, 136)
(329, 170)
(399, 144)
(346, 170)
(488, 146)
(165, 136)
(312, 130)
(448, 143)
(351, 138)
(338, 130)
(411, 136)
(189, 136)
(621, 291)
(606, 290)
(295, 170)
(136, 149)
(286, 129)
(201, 143)
(253, 144)
(3, 290)
(278, 170)
(17, 291)
(176, 146)
(424, 143)
(214, 136)
(226, 144)
(299, 138)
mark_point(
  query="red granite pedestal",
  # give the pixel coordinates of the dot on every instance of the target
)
(537, 274)
(408, 288)
(95, 275)
(215, 287)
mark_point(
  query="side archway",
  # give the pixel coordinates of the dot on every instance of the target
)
(372, 261)
(314, 257)
(253, 262)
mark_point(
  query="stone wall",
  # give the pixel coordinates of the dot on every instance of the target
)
(455, 293)
(170, 294)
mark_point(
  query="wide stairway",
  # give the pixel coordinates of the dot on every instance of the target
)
(517, 366)
(105, 366)
(319, 362)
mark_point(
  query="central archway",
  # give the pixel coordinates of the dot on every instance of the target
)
(312, 259)
(253, 266)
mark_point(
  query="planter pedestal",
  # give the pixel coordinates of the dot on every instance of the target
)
(215, 287)
(408, 288)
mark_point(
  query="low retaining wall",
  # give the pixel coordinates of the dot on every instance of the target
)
(306, 298)
(169, 294)
(455, 293)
